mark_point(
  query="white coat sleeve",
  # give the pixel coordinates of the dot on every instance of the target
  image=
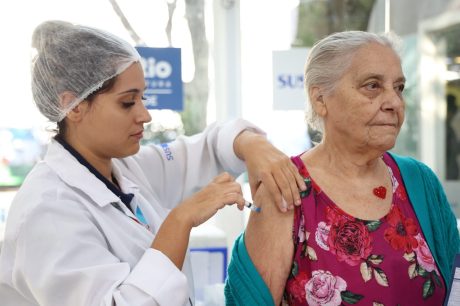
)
(178, 169)
(63, 259)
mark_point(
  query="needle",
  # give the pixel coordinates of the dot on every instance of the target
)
(251, 206)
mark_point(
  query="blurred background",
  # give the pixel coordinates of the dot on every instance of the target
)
(242, 59)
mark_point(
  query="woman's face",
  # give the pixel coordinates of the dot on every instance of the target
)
(366, 108)
(113, 124)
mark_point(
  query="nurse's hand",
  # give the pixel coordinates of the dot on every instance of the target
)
(223, 190)
(173, 235)
(268, 165)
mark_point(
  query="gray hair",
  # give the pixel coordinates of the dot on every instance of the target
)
(329, 59)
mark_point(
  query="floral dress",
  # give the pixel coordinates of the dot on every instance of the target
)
(343, 260)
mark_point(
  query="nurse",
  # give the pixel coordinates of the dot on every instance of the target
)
(101, 220)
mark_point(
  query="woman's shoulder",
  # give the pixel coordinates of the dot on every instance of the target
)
(410, 166)
(42, 186)
(39, 197)
(40, 180)
(405, 159)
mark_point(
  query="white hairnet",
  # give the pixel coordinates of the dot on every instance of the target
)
(75, 60)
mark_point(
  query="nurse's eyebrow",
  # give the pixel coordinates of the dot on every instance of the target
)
(133, 90)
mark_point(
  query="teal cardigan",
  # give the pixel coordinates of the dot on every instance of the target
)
(244, 285)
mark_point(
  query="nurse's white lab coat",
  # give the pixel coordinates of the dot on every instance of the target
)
(66, 244)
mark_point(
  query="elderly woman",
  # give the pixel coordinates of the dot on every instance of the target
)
(373, 228)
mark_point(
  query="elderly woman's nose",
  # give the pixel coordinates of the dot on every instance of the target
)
(392, 99)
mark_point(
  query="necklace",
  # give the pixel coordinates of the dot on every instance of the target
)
(380, 192)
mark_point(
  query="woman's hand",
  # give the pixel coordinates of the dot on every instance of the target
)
(223, 190)
(268, 165)
(173, 235)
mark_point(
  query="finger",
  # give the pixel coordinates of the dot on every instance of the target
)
(230, 187)
(288, 189)
(274, 191)
(254, 185)
(223, 177)
(291, 177)
(301, 185)
(299, 179)
(233, 198)
(286, 183)
(295, 182)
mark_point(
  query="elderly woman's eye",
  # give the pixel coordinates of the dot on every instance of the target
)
(372, 85)
(400, 87)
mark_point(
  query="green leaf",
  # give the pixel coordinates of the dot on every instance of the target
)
(428, 289)
(295, 268)
(410, 257)
(412, 270)
(422, 272)
(304, 249)
(375, 259)
(380, 277)
(350, 297)
(311, 253)
(366, 271)
(373, 225)
(436, 278)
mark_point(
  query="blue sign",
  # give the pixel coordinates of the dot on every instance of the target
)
(163, 77)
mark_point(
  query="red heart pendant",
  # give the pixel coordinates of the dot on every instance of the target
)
(380, 192)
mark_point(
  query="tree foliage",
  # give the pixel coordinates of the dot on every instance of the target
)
(319, 18)
(197, 91)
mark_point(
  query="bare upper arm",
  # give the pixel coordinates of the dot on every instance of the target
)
(268, 239)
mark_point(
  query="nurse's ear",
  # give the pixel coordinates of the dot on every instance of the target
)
(76, 114)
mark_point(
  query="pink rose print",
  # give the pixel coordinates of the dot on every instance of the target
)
(424, 257)
(324, 289)
(322, 234)
(394, 181)
(350, 241)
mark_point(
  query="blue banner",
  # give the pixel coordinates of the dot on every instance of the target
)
(163, 77)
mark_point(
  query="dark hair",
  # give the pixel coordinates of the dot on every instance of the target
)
(106, 86)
